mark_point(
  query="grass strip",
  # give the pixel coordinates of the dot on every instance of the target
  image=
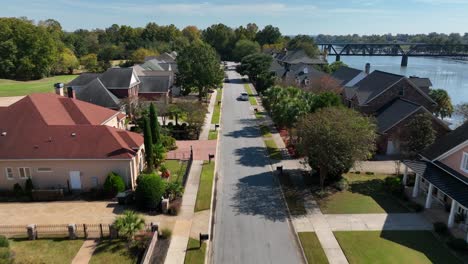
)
(204, 189)
(195, 254)
(273, 150)
(312, 248)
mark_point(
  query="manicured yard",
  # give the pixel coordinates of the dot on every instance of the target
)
(312, 248)
(248, 90)
(195, 255)
(292, 195)
(217, 108)
(265, 131)
(260, 115)
(366, 194)
(16, 88)
(56, 250)
(177, 169)
(213, 135)
(204, 189)
(394, 247)
(273, 150)
(113, 251)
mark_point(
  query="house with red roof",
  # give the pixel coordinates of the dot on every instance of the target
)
(62, 142)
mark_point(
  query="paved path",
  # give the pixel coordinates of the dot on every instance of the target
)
(86, 252)
(251, 222)
(201, 149)
(181, 231)
(207, 125)
(375, 222)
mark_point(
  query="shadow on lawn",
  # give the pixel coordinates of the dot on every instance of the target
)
(259, 195)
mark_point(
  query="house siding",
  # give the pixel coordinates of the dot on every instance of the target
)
(454, 160)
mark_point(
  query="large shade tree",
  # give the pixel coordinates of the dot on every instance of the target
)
(243, 48)
(199, 68)
(334, 138)
(421, 133)
(444, 106)
(256, 67)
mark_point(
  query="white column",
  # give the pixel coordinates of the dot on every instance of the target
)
(429, 196)
(453, 211)
(416, 186)
(405, 176)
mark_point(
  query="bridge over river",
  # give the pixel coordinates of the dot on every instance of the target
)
(404, 50)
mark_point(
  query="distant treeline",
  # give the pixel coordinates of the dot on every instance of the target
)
(431, 38)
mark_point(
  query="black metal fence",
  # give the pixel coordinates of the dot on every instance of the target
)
(187, 170)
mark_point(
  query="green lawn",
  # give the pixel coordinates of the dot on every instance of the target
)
(366, 195)
(292, 195)
(260, 115)
(177, 169)
(16, 88)
(204, 189)
(113, 251)
(312, 248)
(58, 250)
(213, 135)
(217, 108)
(248, 90)
(195, 255)
(394, 247)
(273, 150)
(265, 131)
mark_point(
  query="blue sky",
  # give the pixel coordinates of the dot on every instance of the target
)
(292, 17)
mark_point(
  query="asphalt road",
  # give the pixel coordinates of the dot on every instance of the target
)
(251, 224)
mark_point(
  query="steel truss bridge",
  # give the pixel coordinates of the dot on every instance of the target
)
(404, 50)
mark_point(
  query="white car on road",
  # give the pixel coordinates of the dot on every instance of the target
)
(244, 97)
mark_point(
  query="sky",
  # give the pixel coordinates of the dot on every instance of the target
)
(292, 17)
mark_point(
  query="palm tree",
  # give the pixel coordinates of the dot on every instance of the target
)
(129, 223)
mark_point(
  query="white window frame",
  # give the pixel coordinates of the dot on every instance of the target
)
(24, 171)
(464, 162)
(7, 174)
(41, 170)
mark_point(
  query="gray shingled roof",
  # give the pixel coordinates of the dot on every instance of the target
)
(300, 56)
(152, 65)
(277, 68)
(96, 93)
(374, 84)
(421, 82)
(442, 180)
(394, 113)
(346, 74)
(447, 142)
(154, 84)
(117, 78)
(83, 79)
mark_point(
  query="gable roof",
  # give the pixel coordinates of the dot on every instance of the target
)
(447, 142)
(421, 82)
(119, 78)
(394, 113)
(346, 74)
(154, 84)
(152, 65)
(96, 93)
(374, 84)
(83, 79)
(41, 126)
(299, 56)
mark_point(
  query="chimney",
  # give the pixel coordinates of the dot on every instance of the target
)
(71, 92)
(367, 68)
(59, 88)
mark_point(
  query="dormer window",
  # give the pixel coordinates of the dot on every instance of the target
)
(464, 163)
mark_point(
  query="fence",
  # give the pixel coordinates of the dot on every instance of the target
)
(189, 166)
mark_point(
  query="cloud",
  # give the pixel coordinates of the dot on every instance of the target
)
(442, 2)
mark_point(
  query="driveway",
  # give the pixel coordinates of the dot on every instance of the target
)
(251, 222)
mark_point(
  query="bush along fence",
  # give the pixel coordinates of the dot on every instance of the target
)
(72, 231)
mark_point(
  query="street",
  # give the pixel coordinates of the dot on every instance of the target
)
(251, 222)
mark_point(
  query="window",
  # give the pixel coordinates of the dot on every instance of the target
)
(402, 91)
(44, 170)
(464, 164)
(24, 173)
(9, 173)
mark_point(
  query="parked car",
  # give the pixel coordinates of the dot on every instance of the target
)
(244, 97)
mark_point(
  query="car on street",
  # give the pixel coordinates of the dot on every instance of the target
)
(244, 97)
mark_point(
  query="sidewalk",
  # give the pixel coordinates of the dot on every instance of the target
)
(377, 222)
(183, 225)
(86, 252)
(207, 126)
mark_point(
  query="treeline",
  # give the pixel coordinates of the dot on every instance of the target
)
(35, 50)
(431, 38)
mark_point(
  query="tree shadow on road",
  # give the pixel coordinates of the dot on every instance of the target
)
(246, 132)
(259, 195)
(253, 157)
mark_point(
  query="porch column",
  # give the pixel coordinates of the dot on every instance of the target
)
(453, 210)
(405, 175)
(429, 196)
(416, 186)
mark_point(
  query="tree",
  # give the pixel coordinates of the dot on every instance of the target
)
(90, 62)
(114, 184)
(306, 43)
(268, 35)
(149, 191)
(67, 62)
(192, 33)
(462, 110)
(334, 138)
(221, 38)
(334, 66)
(129, 224)
(444, 106)
(325, 83)
(154, 123)
(255, 65)
(421, 133)
(323, 100)
(195, 115)
(243, 48)
(199, 67)
(148, 141)
(139, 55)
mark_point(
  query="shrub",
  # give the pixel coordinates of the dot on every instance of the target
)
(149, 191)
(369, 173)
(28, 187)
(165, 173)
(357, 172)
(5, 256)
(394, 185)
(166, 233)
(458, 244)
(173, 210)
(342, 184)
(168, 142)
(17, 190)
(173, 190)
(440, 228)
(4, 242)
(114, 184)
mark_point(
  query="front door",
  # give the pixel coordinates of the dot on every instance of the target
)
(75, 180)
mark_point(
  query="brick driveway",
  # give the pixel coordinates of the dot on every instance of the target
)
(201, 149)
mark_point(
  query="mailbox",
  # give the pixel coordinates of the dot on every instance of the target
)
(210, 156)
(203, 237)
